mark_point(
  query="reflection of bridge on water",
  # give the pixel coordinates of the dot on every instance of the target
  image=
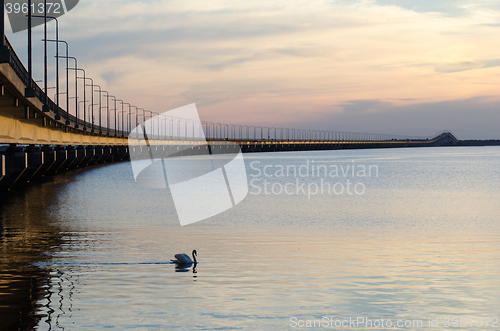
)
(44, 138)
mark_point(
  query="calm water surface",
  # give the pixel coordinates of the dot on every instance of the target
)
(419, 239)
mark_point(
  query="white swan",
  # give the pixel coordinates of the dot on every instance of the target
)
(183, 258)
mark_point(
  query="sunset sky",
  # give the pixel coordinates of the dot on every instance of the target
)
(385, 66)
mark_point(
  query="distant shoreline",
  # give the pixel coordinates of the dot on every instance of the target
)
(491, 142)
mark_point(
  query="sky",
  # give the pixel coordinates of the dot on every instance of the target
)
(383, 66)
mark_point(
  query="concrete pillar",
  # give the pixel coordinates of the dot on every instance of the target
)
(145, 152)
(61, 158)
(91, 155)
(16, 162)
(169, 150)
(81, 153)
(2, 167)
(49, 158)
(107, 152)
(157, 152)
(115, 156)
(71, 152)
(140, 152)
(104, 153)
(120, 153)
(35, 161)
(202, 150)
(153, 150)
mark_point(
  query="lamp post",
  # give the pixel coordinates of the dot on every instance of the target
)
(122, 116)
(143, 115)
(122, 127)
(157, 122)
(84, 99)
(29, 92)
(151, 117)
(210, 130)
(67, 76)
(269, 133)
(91, 106)
(112, 96)
(248, 133)
(107, 111)
(144, 119)
(57, 57)
(136, 116)
(45, 107)
(127, 126)
(220, 130)
(84, 102)
(92, 102)
(76, 87)
(100, 108)
(129, 116)
(84, 94)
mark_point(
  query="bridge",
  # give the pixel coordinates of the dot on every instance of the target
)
(41, 138)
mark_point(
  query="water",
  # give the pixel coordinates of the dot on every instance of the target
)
(417, 240)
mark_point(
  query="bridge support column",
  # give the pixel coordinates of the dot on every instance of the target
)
(114, 154)
(133, 155)
(49, 158)
(108, 154)
(71, 153)
(144, 153)
(16, 161)
(35, 161)
(91, 155)
(81, 153)
(120, 153)
(2, 167)
(162, 153)
(104, 152)
(62, 157)
(99, 155)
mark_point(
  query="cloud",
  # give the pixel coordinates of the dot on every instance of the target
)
(467, 65)
(365, 105)
(111, 76)
(457, 67)
(448, 7)
(228, 63)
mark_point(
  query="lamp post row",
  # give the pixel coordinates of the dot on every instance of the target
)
(30, 91)
(225, 130)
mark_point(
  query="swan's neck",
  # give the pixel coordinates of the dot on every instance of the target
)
(194, 258)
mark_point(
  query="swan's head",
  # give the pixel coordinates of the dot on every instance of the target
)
(194, 252)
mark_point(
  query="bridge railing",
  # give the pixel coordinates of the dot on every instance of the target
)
(164, 127)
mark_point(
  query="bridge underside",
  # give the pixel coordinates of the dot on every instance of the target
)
(20, 164)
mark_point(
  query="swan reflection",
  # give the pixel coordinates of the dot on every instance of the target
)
(183, 267)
